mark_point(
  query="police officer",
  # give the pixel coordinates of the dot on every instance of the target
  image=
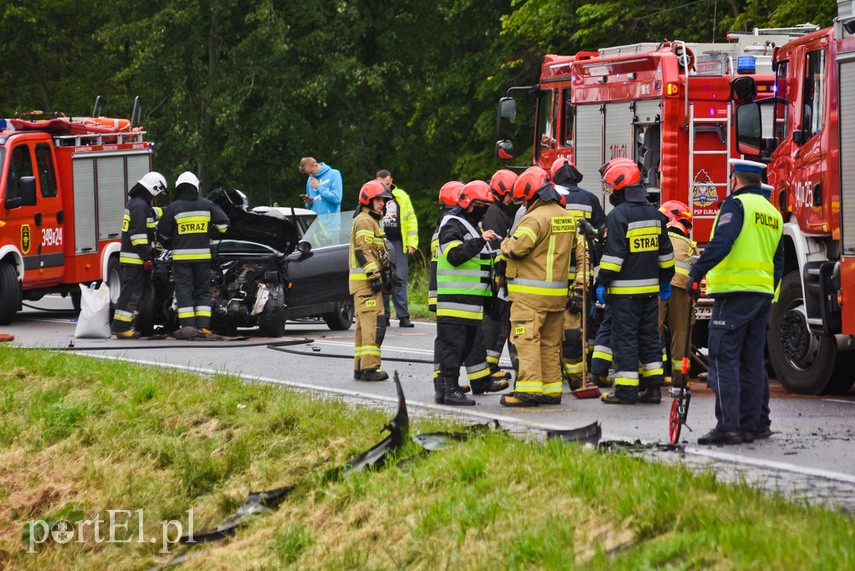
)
(676, 311)
(538, 256)
(135, 257)
(367, 250)
(743, 262)
(464, 280)
(187, 225)
(497, 311)
(582, 205)
(637, 264)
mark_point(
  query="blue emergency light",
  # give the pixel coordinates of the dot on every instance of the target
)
(746, 64)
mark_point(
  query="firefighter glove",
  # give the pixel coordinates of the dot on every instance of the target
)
(694, 288)
(148, 266)
(575, 301)
(601, 294)
(376, 284)
(664, 291)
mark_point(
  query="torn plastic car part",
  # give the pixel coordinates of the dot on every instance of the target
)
(398, 427)
(255, 503)
(589, 434)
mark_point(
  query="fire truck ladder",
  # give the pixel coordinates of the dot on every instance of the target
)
(720, 126)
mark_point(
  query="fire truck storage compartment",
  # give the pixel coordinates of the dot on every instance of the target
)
(846, 118)
(648, 145)
(589, 145)
(101, 182)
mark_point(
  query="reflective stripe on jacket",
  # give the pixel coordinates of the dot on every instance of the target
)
(367, 244)
(749, 267)
(462, 288)
(538, 256)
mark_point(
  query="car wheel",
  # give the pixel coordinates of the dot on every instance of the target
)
(273, 325)
(341, 318)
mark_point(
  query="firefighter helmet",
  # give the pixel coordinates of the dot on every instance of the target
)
(472, 191)
(187, 177)
(622, 174)
(373, 189)
(563, 169)
(676, 210)
(614, 162)
(154, 182)
(530, 181)
(502, 181)
(449, 192)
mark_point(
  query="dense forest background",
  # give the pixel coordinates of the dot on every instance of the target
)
(239, 90)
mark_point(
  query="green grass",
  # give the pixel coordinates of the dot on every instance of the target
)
(80, 436)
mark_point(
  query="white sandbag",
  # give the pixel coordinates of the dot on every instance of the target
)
(94, 320)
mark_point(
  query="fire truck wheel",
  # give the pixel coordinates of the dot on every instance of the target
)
(804, 362)
(114, 280)
(10, 293)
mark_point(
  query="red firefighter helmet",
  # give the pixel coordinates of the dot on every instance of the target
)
(678, 214)
(475, 190)
(614, 162)
(621, 174)
(502, 181)
(530, 181)
(449, 192)
(559, 164)
(371, 190)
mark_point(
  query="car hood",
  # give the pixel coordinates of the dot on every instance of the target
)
(264, 228)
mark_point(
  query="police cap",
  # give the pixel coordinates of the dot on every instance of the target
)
(741, 165)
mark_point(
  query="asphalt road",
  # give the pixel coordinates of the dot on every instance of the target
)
(811, 453)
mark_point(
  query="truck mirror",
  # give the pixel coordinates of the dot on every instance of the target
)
(506, 124)
(505, 150)
(28, 190)
(749, 129)
(743, 89)
(304, 247)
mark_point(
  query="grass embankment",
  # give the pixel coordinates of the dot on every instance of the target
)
(80, 436)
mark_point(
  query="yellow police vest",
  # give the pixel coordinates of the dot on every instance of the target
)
(749, 267)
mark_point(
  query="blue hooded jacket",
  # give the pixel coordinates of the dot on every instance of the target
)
(327, 197)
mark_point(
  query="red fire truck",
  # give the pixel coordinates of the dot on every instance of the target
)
(666, 105)
(810, 148)
(63, 189)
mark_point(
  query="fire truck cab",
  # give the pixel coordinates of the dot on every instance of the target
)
(63, 189)
(807, 136)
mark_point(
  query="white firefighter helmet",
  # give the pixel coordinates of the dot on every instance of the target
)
(187, 177)
(154, 182)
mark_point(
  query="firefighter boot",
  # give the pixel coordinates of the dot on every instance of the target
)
(620, 395)
(651, 395)
(516, 399)
(372, 375)
(453, 396)
(438, 391)
(127, 334)
(498, 374)
(488, 385)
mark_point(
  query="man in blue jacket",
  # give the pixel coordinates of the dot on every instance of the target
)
(323, 187)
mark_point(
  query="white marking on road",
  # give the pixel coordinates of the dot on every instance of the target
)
(783, 466)
(840, 400)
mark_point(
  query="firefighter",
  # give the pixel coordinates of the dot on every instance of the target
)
(367, 252)
(464, 279)
(187, 225)
(582, 205)
(497, 312)
(675, 311)
(744, 263)
(637, 264)
(135, 256)
(538, 255)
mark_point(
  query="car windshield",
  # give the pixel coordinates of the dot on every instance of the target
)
(330, 230)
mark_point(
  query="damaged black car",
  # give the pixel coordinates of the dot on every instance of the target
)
(273, 265)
